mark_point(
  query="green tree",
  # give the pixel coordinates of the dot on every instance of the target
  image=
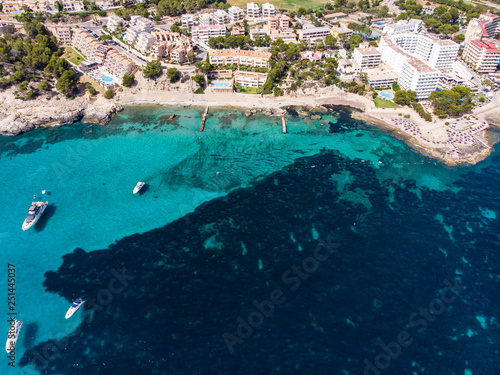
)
(23, 86)
(459, 38)
(454, 13)
(44, 86)
(66, 84)
(173, 74)
(128, 80)
(199, 79)
(109, 94)
(176, 28)
(59, 6)
(404, 97)
(302, 11)
(383, 11)
(330, 41)
(105, 37)
(152, 69)
(452, 102)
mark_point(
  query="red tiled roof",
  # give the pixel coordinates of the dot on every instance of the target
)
(484, 44)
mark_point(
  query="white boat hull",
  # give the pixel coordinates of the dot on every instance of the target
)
(73, 309)
(138, 187)
(27, 225)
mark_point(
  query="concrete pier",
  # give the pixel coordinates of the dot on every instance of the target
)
(204, 118)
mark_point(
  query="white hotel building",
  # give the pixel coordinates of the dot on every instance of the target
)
(253, 11)
(236, 14)
(418, 59)
(313, 33)
(204, 33)
(403, 26)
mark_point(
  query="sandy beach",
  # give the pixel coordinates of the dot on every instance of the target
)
(435, 139)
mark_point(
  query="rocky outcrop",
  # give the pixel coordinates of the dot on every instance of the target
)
(18, 116)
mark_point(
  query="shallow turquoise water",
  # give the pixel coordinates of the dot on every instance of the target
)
(89, 173)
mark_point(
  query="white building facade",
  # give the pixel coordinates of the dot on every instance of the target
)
(236, 14)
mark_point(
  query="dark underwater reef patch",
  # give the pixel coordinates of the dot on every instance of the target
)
(191, 280)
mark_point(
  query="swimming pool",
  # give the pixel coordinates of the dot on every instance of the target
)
(386, 95)
(107, 79)
(220, 84)
(380, 23)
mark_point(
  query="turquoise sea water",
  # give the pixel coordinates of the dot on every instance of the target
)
(333, 175)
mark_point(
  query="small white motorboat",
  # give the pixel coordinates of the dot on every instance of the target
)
(138, 187)
(13, 334)
(77, 303)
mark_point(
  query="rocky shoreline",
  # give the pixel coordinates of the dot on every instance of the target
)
(18, 116)
(470, 156)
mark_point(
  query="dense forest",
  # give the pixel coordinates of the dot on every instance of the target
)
(32, 61)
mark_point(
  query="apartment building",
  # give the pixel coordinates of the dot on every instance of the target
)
(278, 22)
(62, 34)
(250, 79)
(483, 55)
(132, 34)
(257, 33)
(314, 33)
(381, 78)
(367, 57)
(414, 74)
(206, 19)
(403, 26)
(268, 10)
(72, 6)
(221, 17)
(144, 41)
(12, 6)
(113, 23)
(141, 23)
(287, 36)
(158, 50)
(187, 22)
(238, 30)
(236, 14)
(253, 11)
(419, 77)
(117, 64)
(104, 4)
(239, 57)
(181, 53)
(341, 32)
(174, 45)
(204, 33)
(437, 53)
(490, 24)
(88, 46)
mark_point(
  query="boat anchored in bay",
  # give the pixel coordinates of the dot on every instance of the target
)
(77, 303)
(34, 213)
(138, 187)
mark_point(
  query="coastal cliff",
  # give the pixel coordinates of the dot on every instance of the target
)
(18, 116)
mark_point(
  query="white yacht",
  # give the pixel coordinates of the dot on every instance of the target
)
(34, 212)
(77, 303)
(12, 336)
(138, 187)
